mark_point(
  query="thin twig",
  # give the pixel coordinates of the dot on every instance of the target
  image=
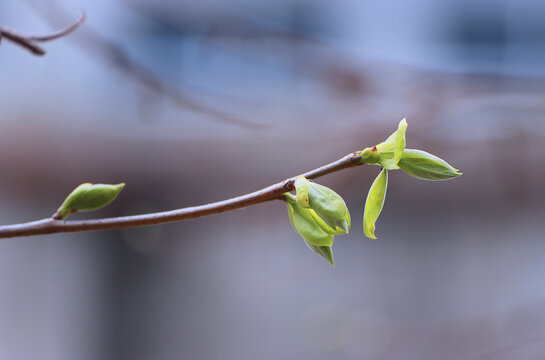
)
(28, 42)
(273, 192)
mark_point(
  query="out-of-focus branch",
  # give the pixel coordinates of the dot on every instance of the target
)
(273, 192)
(29, 42)
(103, 49)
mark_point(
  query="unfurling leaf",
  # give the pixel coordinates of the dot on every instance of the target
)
(374, 203)
(423, 165)
(392, 148)
(304, 224)
(399, 144)
(326, 206)
(87, 197)
(302, 186)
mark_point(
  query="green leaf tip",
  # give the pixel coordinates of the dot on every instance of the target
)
(88, 197)
(425, 166)
(327, 208)
(323, 251)
(374, 203)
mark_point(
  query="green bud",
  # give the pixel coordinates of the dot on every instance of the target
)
(392, 148)
(326, 206)
(374, 203)
(423, 165)
(87, 197)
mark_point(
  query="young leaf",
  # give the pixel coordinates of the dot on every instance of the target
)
(87, 197)
(423, 165)
(374, 203)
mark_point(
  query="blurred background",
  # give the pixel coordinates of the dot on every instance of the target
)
(194, 101)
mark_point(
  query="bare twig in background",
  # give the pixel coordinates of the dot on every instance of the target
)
(112, 53)
(108, 51)
(308, 54)
(28, 42)
(273, 192)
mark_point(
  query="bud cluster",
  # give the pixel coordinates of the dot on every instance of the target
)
(391, 155)
(318, 213)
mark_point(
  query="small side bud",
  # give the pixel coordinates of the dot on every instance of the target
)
(369, 156)
(87, 197)
(374, 203)
(423, 165)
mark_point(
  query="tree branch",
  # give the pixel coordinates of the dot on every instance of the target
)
(28, 42)
(273, 192)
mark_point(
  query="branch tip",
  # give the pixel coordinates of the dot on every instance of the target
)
(28, 42)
